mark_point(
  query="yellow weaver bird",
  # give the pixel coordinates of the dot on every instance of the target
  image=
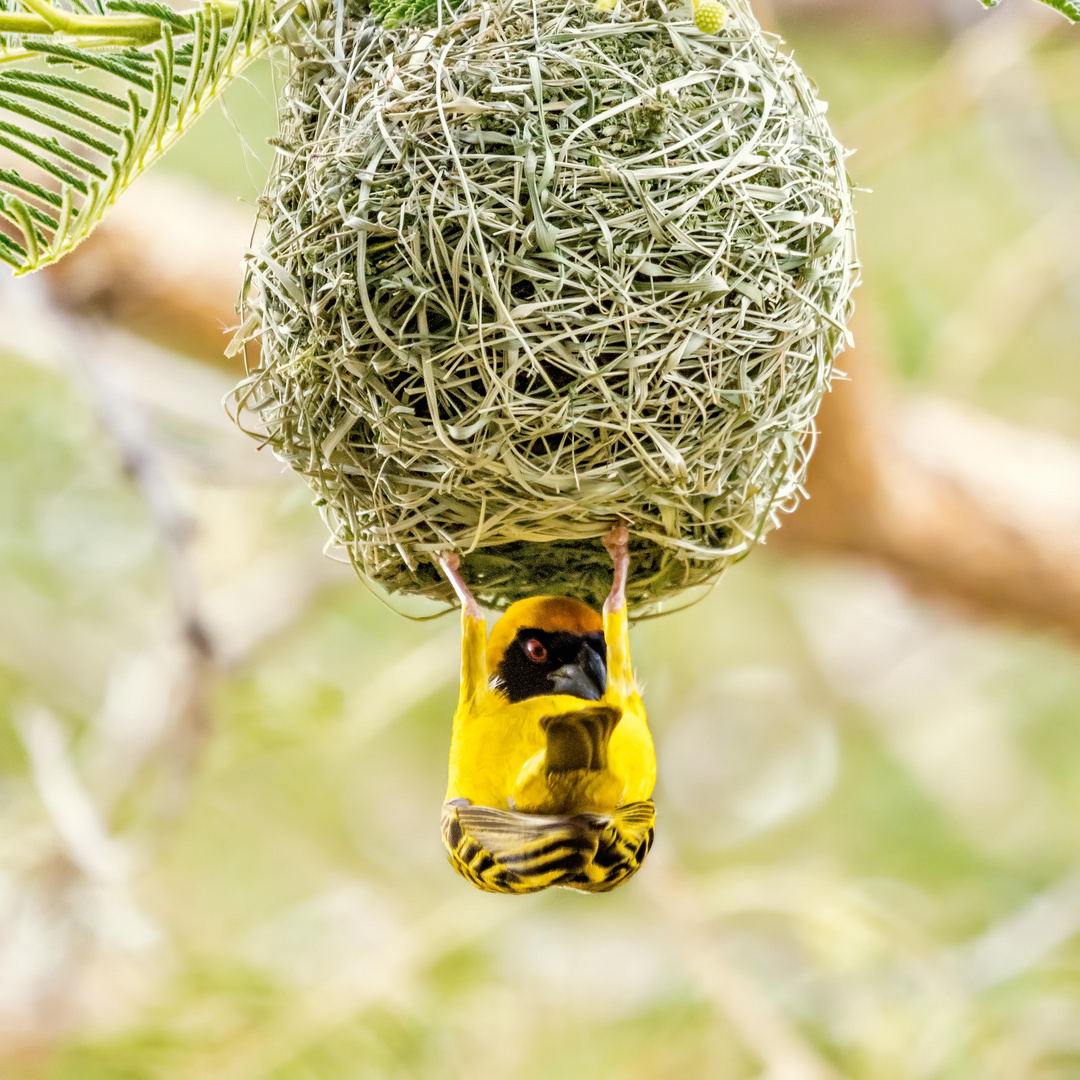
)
(551, 762)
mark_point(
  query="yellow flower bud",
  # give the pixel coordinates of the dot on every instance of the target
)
(709, 15)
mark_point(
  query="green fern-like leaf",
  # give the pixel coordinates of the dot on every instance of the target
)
(92, 94)
(393, 13)
(1069, 8)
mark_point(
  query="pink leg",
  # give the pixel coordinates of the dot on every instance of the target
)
(449, 562)
(615, 541)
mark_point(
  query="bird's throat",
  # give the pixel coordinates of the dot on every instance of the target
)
(571, 775)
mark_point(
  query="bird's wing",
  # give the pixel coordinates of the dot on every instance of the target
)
(504, 851)
(507, 852)
(624, 838)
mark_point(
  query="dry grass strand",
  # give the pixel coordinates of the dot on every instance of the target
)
(540, 267)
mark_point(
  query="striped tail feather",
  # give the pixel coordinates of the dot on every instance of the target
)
(508, 852)
(624, 838)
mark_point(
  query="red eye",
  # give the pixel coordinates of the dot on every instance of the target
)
(535, 651)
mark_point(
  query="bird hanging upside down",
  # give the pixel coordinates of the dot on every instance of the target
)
(551, 762)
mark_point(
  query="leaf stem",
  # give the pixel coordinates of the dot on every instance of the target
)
(43, 19)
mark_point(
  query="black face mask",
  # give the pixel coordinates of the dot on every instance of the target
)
(542, 662)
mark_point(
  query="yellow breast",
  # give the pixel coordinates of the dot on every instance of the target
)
(494, 741)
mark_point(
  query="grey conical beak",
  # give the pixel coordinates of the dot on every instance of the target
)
(585, 678)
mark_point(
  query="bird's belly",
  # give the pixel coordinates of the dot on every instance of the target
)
(494, 741)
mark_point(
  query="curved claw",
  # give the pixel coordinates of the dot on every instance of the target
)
(616, 540)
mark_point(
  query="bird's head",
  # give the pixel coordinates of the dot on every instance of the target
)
(549, 645)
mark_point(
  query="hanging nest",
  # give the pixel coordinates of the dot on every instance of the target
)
(539, 267)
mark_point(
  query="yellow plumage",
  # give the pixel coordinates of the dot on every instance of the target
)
(553, 789)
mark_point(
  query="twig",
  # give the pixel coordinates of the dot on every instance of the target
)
(45, 20)
(48, 938)
(1023, 939)
(77, 820)
(141, 463)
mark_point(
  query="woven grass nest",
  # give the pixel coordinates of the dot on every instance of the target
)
(539, 267)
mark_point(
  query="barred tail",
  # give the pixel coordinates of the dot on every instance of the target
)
(508, 852)
(625, 837)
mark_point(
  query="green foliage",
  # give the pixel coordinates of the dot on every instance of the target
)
(91, 97)
(393, 13)
(1069, 8)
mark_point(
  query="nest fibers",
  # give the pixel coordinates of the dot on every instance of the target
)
(541, 267)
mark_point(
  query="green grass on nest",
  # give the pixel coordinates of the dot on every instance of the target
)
(542, 267)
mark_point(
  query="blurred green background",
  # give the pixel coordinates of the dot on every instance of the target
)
(868, 853)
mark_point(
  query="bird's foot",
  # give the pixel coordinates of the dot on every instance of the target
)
(616, 543)
(616, 540)
(450, 564)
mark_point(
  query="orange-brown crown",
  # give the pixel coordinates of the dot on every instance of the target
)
(544, 613)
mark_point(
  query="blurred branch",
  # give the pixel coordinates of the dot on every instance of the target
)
(140, 461)
(190, 697)
(963, 507)
(51, 926)
(84, 854)
(61, 914)
(1025, 938)
(167, 264)
(73, 812)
